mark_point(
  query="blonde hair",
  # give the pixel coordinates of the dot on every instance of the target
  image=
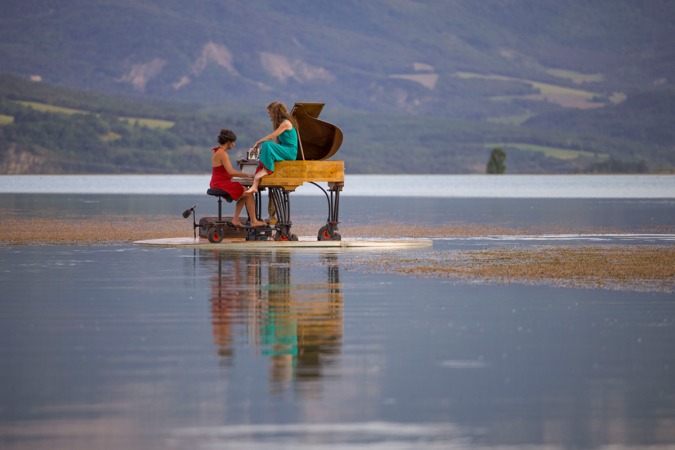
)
(279, 113)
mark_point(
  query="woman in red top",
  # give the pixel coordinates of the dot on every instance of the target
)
(221, 178)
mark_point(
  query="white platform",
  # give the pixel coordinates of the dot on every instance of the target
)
(302, 242)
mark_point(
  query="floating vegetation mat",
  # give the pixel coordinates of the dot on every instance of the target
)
(121, 229)
(624, 267)
(99, 230)
(620, 267)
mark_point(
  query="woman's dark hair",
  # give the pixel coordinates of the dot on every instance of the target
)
(226, 136)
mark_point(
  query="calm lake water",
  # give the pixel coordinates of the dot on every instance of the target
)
(443, 186)
(153, 348)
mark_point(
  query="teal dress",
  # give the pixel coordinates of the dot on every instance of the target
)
(285, 150)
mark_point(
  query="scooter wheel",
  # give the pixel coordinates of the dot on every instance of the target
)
(326, 234)
(215, 235)
(280, 237)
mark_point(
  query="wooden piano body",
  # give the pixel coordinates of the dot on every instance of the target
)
(290, 175)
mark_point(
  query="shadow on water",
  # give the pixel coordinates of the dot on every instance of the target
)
(298, 326)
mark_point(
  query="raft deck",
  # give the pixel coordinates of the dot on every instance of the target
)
(302, 242)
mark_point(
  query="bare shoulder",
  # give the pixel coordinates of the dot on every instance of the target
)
(219, 155)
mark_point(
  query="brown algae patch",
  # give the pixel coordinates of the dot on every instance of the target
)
(120, 229)
(99, 230)
(624, 267)
(621, 267)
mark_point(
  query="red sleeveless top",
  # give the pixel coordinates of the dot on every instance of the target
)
(221, 179)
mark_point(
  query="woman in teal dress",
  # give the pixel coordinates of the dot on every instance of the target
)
(280, 145)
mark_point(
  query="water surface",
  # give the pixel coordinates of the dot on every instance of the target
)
(153, 348)
(443, 186)
(166, 348)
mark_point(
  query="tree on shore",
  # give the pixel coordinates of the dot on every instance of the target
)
(496, 164)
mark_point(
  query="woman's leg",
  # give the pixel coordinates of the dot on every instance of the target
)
(250, 208)
(256, 181)
(237, 210)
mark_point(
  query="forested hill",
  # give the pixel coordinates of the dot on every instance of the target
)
(453, 58)
(562, 85)
(45, 129)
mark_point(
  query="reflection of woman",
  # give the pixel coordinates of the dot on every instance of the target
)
(280, 145)
(230, 303)
(221, 178)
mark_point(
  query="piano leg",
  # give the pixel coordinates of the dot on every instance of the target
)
(280, 200)
(282, 204)
(258, 205)
(329, 232)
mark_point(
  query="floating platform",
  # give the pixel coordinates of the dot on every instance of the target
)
(302, 242)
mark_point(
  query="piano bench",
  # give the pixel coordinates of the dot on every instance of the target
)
(220, 193)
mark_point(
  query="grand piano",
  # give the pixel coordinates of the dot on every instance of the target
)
(318, 141)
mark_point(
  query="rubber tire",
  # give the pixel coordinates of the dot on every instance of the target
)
(282, 237)
(325, 235)
(215, 235)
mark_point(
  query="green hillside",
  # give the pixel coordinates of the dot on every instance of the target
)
(57, 130)
(562, 85)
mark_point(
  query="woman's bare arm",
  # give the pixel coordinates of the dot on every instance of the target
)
(285, 125)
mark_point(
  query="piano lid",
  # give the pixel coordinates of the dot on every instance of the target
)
(320, 140)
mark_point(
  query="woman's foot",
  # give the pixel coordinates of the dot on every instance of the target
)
(251, 190)
(237, 223)
(256, 224)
